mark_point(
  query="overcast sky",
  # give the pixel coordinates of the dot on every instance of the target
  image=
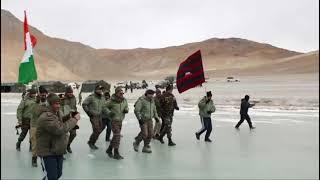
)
(122, 24)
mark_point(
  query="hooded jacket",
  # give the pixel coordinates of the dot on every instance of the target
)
(205, 107)
(145, 109)
(51, 133)
(115, 108)
(244, 107)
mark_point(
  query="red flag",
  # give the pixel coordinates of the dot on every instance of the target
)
(26, 30)
(190, 73)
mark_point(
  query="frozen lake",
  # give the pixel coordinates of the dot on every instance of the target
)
(284, 145)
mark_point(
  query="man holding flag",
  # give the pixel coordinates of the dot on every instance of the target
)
(190, 74)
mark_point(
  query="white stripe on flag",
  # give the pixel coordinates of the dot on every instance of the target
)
(28, 51)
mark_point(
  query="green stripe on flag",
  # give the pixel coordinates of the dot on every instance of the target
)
(27, 71)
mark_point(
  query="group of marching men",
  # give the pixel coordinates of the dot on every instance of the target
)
(52, 120)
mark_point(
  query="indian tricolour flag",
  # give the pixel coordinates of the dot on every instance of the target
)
(27, 68)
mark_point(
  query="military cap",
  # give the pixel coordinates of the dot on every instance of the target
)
(53, 98)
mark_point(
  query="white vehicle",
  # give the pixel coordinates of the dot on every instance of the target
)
(232, 79)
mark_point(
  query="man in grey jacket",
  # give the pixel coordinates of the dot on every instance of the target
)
(206, 108)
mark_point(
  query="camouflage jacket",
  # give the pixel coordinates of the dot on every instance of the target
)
(92, 105)
(68, 105)
(116, 107)
(37, 109)
(71, 102)
(158, 106)
(145, 109)
(168, 104)
(25, 108)
(51, 133)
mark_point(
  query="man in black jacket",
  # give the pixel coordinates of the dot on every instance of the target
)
(245, 105)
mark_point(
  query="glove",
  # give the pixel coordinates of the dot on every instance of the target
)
(177, 108)
(209, 112)
(76, 127)
(207, 101)
(157, 120)
(125, 111)
(140, 122)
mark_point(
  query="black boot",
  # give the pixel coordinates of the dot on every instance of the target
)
(160, 138)
(34, 161)
(18, 145)
(117, 155)
(207, 140)
(30, 147)
(171, 143)
(136, 146)
(92, 146)
(69, 149)
(156, 136)
(109, 151)
(146, 149)
(198, 136)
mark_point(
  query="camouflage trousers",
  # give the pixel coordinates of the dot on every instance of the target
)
(167, 129)
(157, 128)
(146, 133)
(73, 134)
(116, 130)
(97, 128)
(25, 127)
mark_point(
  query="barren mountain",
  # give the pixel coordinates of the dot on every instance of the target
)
(58, 59)
(307, 63)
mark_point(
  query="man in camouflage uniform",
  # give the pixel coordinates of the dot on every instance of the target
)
(92, 105)
(157, 125)
(105, 119)
(51, 137)
(145, 110)
(116, 108)
(24, 115)
(168, 104)
(41, 102)
(70, 105)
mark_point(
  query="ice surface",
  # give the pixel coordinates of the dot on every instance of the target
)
(284, 145)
